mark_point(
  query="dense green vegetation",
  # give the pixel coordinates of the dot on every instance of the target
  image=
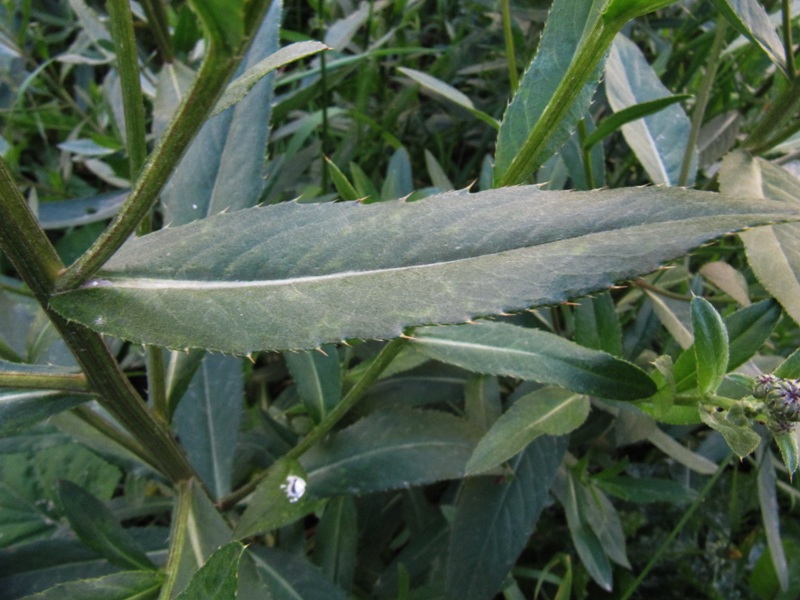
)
(404, 300)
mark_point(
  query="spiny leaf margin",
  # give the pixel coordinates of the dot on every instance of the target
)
(293, 276)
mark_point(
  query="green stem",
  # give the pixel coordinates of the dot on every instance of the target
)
(220, 63)
(24, 242)
(588, 55)
(712, 62)
(508, 36)
(67, 382)
(128, 69)
(178, 537)
(376, 367)
(591, 50)
(188, 120)
(674, 533)
(156, 15)
(386, 356)
(788, 44)
(774, 126)
(586, 155)
(27, 247)
(99, 424)
(156, 383)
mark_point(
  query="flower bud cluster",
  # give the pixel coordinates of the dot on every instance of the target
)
(781, 398)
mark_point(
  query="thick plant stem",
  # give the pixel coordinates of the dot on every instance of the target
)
(378, 365)
(27, 247)
(703, 96)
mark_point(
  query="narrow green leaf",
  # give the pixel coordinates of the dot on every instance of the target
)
(207, 420)
(602, 517)
(318, 378)
(222, 169)
(343, 185)
(681, 454)
(448, 92)
(494, 520)
(247, 281)
(587, 543)
(241, 86)
(548, 103)
(644, 490)
(482, 403)
(597, 324)
(422, 558)
(748, 328)
(790, 368)
(548, 411)
(502, 349)
(130, 585)
(710, 346)
(390, 450)
(750, 19)
(292, 577)
(22, 408)
(734, 427)
(218, 578)
(772, 252)
(280, 499)
(336, 541)
(632, 113)
(197, 531)
(787, 444)
(179, 369)
(99, 529)
(398, 182)
(770, 513)
(658, 140)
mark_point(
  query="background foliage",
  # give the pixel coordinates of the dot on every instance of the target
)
(446, 396)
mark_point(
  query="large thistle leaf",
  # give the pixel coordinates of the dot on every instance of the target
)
(297, 276)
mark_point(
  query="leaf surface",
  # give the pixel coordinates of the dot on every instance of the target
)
(128, 585)
(658, 140)
(549, 411)
(297, 276)
(218, 578)
(751, 20)
(292, 577)
(207, 420)
(22, 408)
(99, 529)
(532, 354)
(772, 252)
(564, 30)
(710, 346)
(494, 520)
(390, 450)
(221, 170)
